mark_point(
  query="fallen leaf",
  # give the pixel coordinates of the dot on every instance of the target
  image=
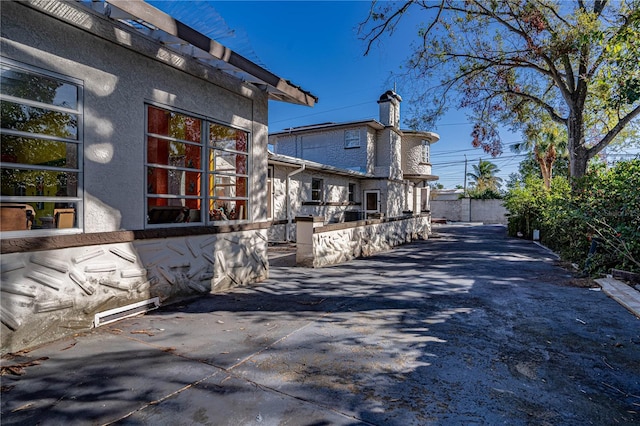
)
(18, 369)
(147, 332)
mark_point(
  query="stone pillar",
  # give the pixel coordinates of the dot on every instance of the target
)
(465, 210)
(304, 239)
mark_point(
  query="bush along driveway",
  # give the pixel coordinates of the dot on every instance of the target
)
(469, 327)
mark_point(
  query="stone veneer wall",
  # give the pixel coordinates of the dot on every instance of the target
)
(336, 243)
(53, 293)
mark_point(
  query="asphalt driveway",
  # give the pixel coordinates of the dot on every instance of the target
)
(469, 327)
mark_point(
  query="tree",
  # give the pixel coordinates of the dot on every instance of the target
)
(546, 141)
(484, 176)
(510, 61)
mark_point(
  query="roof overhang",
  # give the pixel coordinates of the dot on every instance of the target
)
(430, 136)
(420, 178)
(174, 34)
(326, 126)
(287, 161)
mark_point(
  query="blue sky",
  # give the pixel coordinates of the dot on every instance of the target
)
(316, 45)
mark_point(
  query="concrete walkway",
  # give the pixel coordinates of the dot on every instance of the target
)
(469, 327)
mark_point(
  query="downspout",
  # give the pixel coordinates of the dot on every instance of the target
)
(289, 218)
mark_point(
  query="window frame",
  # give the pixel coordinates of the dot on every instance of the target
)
(317, 193)
(425, 151)
(351, 138)
(207, 174)
(77, 140)
(351, 192)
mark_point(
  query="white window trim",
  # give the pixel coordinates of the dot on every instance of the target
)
(351, 139)
(425, 152)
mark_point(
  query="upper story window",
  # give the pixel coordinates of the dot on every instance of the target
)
(197, 170)
(426, 151)
(41, 150)
(316, 189)
(351, 138)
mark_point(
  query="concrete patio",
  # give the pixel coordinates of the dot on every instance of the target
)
(469, 327)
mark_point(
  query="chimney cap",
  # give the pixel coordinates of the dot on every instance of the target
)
(389, 95)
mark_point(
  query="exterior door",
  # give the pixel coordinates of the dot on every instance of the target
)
(371, 202)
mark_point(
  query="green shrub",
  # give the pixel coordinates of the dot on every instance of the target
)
(604, 206)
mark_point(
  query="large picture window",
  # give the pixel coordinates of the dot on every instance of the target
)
(183, 187)
(41, 149)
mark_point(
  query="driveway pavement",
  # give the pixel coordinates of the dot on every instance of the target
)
(469, 327)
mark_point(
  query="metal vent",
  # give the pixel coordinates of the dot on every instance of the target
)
(122, 312)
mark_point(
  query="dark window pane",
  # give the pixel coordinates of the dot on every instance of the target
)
(25, 85)
(17, 149)
(39, 120)
(171, 211)
(372, 201)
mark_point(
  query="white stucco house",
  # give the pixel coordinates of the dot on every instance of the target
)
(134, 157)
(349, 171)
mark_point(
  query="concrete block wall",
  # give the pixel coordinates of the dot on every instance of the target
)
(470, 210)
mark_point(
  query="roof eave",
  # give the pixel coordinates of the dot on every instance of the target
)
(277, 88)
(314, 127)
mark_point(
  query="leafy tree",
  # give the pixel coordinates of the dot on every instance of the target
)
(511, 61)
(484, 176)
(546, 142)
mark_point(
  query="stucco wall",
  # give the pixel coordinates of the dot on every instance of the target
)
(336, 189)
(117, 83)
(326, 147)
(412, 157)
(488, 211)
(447, 209)
(50, 293)
(470, 210)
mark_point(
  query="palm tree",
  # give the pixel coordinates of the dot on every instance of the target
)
(484, 176)
(547, 143)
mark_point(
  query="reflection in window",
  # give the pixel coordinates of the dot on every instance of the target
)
(40, 146)
(228, 168)
(176, 190)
